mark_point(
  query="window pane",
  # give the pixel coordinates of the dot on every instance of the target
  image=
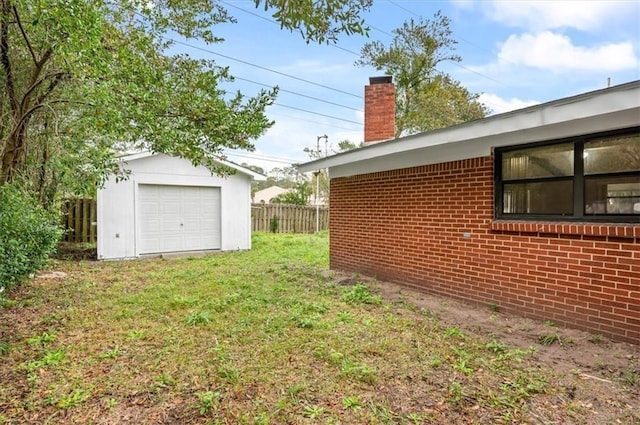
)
(612, 155)
(545, 161)
(552, 197)
(612, 195)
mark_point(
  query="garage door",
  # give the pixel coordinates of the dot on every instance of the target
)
(178, 218)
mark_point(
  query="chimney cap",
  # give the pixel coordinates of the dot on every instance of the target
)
(385, 79)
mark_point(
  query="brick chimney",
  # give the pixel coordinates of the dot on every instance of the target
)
(379, 109)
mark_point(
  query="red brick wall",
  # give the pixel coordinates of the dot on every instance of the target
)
(379, 111)
(409, 226)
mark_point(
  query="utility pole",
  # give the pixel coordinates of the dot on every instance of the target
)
(317, 174)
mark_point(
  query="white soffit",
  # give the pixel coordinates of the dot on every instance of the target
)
(603, 110)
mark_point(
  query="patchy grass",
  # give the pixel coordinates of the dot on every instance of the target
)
(258, 337)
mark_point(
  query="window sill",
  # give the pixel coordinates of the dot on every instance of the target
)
(627, 231)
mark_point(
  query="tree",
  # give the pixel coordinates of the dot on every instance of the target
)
(83, 81)
(426, 99)
(321, 21)
(299, 195)
(347, 145)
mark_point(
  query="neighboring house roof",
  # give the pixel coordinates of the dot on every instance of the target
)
(233, 166)
(266, 195)
(602, 110)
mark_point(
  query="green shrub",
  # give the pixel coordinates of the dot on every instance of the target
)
(28, 235)
(273, 224)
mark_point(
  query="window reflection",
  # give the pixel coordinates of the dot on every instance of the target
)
(545, 161)
(612, 155)
(612, 195)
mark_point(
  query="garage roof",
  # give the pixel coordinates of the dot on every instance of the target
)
(233, 166)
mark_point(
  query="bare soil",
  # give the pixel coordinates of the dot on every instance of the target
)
(599, 375)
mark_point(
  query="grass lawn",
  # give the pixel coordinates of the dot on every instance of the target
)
(265, 336)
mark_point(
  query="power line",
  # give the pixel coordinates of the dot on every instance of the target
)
(419, 16)
(381, 30)
(275, 22)
(478, 73)
(260, 157)
(300, 94)
(403, 8)
(263, 68)
(287, 75)
(256, 65)
(321, 123)
(463, 39)
(317, 113)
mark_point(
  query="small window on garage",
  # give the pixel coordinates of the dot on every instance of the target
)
(591, 178)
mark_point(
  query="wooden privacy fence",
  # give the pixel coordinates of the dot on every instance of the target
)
(283, 218)
(79, 219)
(79, 215)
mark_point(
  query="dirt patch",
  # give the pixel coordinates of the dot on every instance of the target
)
(599, 375)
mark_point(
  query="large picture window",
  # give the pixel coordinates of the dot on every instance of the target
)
(591, 178)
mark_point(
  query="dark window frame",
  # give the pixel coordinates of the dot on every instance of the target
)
(578, 179)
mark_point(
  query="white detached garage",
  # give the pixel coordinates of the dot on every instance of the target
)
(169, 205)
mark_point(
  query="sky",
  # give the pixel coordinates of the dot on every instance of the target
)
(514, 54)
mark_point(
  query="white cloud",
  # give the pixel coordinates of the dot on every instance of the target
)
(540, 15)
(556, 52)
(499, 105)
(463, 4)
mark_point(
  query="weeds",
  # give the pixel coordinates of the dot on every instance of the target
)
(43, 339)
(550, 339)
(456, 392)
(454, 332)
(295, 390)
(198, 318)
(49, 358)
(631, 377)
(5, 347)
(595, 339)
(73, 399)
(111, 354)
(135, 334)
(345, 317)
(360, 294)
(230, 374)
(208, 401)
(165, 381)
(495, 346)
(351, 403)
(313, 412)
(359, 371)
(260, 337)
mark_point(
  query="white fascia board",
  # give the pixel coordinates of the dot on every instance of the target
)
(603, 110)
(482, 146)
(251, 173)
(134, 156)
(240, 169)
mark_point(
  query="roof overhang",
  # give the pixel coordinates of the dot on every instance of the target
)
(603, 110)
(231, 165)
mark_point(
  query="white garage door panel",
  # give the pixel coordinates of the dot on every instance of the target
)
(178, 218)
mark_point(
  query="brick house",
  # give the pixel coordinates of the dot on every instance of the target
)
(536, 211)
